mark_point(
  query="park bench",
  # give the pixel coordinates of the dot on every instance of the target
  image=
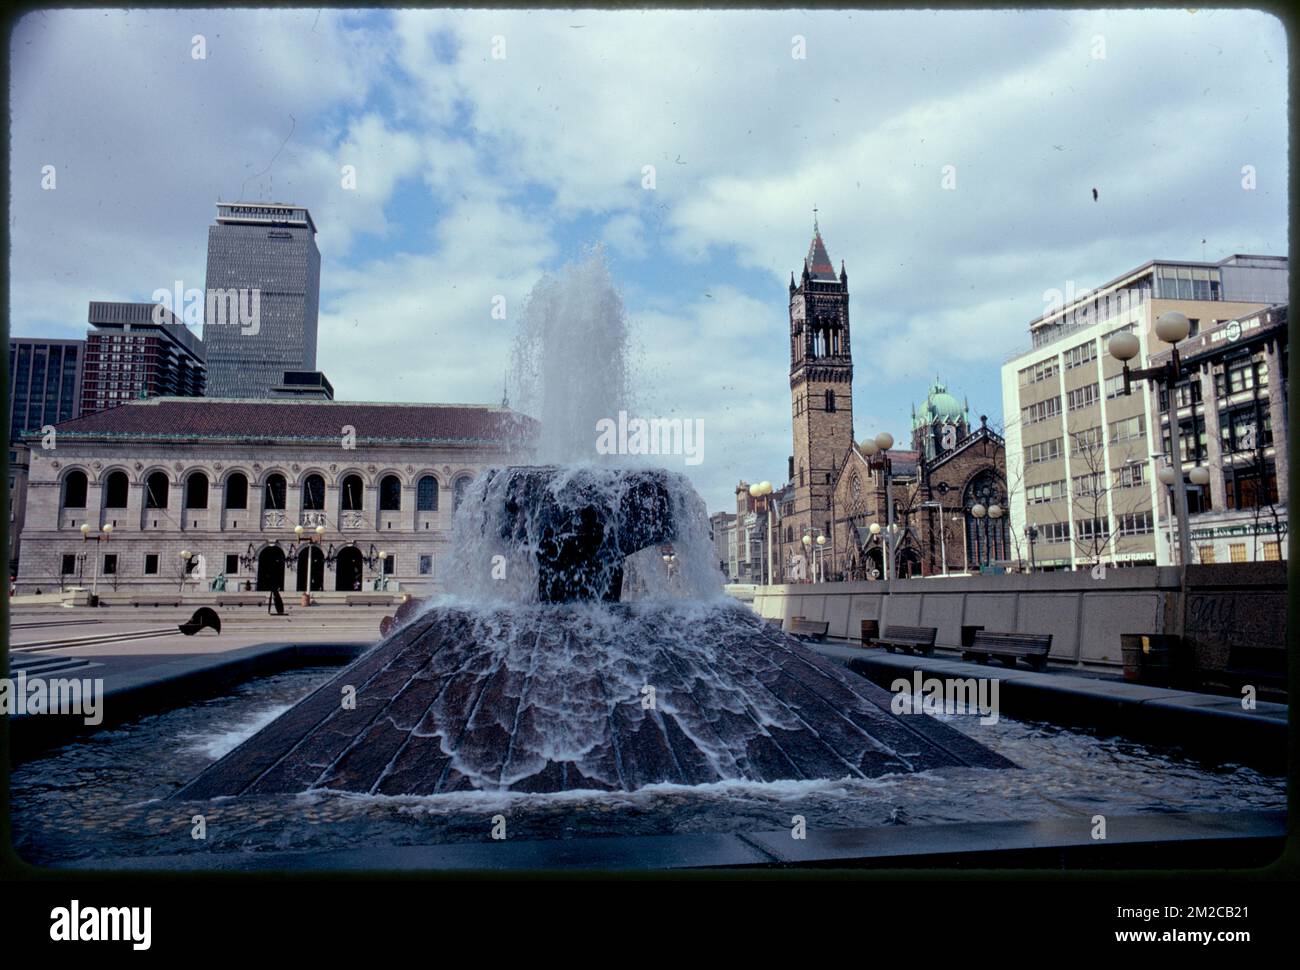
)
(1032, 648)
(909, 638)
(369, 599)
(1261, 666)
(157, 599)
(772, 621)
(241, 599)
(808, 629)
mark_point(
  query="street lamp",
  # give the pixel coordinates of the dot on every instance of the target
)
(877, 451)
(103, 536)
(761, 490)
(1031, 533)
(993, 512)
(821, 558)
(1171, 327)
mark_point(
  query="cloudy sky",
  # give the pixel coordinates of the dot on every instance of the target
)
(476, 174)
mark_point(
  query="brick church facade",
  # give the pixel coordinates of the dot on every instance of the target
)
(836, 491)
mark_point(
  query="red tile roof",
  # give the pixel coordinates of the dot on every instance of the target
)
(182, 417)
(819, 262)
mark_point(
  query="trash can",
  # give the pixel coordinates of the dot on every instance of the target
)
(1151, 658)
(870, 632)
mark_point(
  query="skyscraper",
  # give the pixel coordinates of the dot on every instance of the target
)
(262, 297)
(44, 382)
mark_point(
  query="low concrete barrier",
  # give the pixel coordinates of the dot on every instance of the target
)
(1225, 604)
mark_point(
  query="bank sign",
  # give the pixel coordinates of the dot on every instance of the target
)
(1240, 529)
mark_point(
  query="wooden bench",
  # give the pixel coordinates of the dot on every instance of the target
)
(1263, 667)
(1032, 648)
(161, 599)
(369, 599)
(808, 629)
(241, 599)
(909, 638)
(772, 621)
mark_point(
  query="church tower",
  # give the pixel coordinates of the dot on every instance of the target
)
(821, 391)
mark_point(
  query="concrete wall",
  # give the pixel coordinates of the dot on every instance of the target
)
(1243, 603)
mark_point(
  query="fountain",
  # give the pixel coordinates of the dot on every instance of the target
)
(574, 653)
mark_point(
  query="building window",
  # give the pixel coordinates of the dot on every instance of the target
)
(110, 564)
(1237, 552)
(274, 493)
(1129, 428)
(1082, 397)
(426, 494)
(156, 487)
(232, 564)
(1043, 451)
(390, 494)
(426, 564)
(313, 494)
(352, 492)
(196, 491)
(69, 564)
(1273, 551)
(1206, 554)
(116, 488)
(1135, 524)
(151, 564)
(830, 400)
(237, 491)
(1080, 355)
(390, 564)
(74, 490)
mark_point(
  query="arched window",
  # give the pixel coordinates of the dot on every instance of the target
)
(155, 491)
(74, 490)
(313, 494)
(390, 494)
(426, 494)
(116, 488)
(196, 491)
(987, 540)
(458, 490)
(353, 490)
(237, 491)
(274, 493)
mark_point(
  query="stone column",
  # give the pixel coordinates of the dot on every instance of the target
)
(407, 520)
(1213, 443)
(1277, 417)
(135, 510)
(256, 500)
(292, 505)
(95, 503)
(217, 504)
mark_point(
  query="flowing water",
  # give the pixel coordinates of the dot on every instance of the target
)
(105, 797)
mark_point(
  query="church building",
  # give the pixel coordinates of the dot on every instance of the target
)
(836, 489)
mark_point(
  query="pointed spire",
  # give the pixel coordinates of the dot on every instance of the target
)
(819, 261)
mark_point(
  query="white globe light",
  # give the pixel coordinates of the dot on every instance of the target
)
(884, 441)
(807, 540)
(297, 530)
(766, 486)
(383, 555)
(185, 554)
(1200, 475)
(755, 491)
(1172, 326)
(1166, 474)
(995, 511)
(977, 510)
(1124, 346)
(869, 448)
(874, 529)
(85, 528)
(821, 540)
(320, 530)
(108, 529)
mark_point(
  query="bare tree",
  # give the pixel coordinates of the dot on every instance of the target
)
(1098, 492)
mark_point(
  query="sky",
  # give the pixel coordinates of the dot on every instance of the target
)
(951, 157)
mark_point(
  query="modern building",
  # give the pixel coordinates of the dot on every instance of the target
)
(44, 382)
(139, 350)
(1081, 455)
(229, 480)
(309, 384)
(262, 297)
(1232, 420)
